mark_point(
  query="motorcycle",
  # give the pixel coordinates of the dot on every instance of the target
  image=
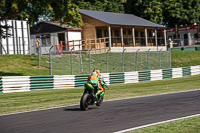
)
(90, 96)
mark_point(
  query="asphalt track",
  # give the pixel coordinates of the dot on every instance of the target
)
(112, 116)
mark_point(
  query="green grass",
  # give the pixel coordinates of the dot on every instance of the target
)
(23, 101)
(185, 58)
(18, 65)
(189, 125)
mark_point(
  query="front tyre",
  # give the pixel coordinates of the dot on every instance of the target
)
(100, 100)
(85, 101)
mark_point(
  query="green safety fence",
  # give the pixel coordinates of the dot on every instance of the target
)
(186, 71)
(167, 73)
(41, 82)
(189, 48)
(116, 78)
(144, 76)
(184, 48)
(175, 49)
(197, 48)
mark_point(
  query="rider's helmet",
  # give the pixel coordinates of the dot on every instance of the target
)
(97, 71)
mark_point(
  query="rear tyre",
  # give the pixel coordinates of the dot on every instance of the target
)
(85, 101)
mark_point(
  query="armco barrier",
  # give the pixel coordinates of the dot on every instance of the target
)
(116, 78)
(186, 71)
(15, 84)
(167, 73)
(1, 85)
(80, 80)
(131, 77)
(64, 81)
(30, 83)
(144, 76)
(42, 82)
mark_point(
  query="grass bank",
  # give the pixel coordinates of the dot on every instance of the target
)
(23, 65)
(189, 125)
(20, 65)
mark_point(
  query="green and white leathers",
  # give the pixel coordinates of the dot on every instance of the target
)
(92, 90)
(94, 78)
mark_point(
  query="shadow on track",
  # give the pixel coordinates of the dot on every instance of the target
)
(72, 109)
(77, 109)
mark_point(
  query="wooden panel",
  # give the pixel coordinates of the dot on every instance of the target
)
(93, 21)
(88, 31)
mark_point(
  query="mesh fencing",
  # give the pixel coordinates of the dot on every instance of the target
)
(83, 62)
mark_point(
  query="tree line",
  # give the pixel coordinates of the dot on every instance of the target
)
(165, 12)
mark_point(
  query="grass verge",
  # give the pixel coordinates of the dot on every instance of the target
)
(189, 125)
(25, 101)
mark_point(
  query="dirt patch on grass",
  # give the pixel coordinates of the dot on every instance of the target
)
(40, 67)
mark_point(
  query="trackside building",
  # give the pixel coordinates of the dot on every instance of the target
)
(187, 35)
(19, 41)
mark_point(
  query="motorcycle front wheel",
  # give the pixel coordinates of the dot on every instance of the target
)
(85, 101)
(100, 100)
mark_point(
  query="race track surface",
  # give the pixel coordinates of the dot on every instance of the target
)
(112, 116)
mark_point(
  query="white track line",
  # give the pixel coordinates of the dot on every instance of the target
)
(104, 101)
(136, 128)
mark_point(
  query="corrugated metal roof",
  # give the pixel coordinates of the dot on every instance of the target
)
(120, 19)
(50, 27)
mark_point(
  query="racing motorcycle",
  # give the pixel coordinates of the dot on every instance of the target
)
(90, 96)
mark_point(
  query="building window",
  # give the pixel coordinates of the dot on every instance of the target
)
(99, 33)
(116, 33)
(142, 34)
(129, 32)
(45, 39)
(195, 35)
(185, 36)
(124, 32)
(150, 34)
(136, 33)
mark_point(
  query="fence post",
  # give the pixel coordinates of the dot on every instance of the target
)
(50, 60)
(170, 58)
(136, 60)
(107, 61)
(148, 58)
(19, 46)
(71, 60)
(81, 62)
(90, 61)
(123, 60)
(38, 56)
(160, 58)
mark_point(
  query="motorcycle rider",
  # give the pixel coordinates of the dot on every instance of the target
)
(96, 78)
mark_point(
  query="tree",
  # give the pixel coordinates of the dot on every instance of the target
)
(148, 9)
(181, 12)
(101, 5)
(6, 15)
(64, 11)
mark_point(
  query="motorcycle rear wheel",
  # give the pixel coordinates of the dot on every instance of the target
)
(85, 101)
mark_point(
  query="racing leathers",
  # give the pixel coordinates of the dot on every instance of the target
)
(96, 78)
